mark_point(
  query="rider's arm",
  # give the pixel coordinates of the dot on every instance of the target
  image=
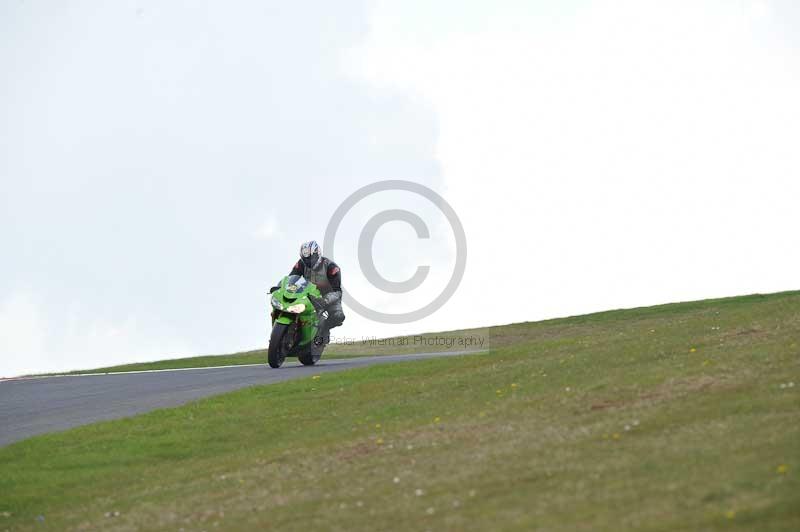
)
(297, 269)
(335, 279)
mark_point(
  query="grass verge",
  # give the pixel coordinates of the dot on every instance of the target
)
(671, 417)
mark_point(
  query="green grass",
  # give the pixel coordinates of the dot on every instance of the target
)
(663, 418)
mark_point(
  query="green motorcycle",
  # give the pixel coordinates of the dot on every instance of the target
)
(296, 309)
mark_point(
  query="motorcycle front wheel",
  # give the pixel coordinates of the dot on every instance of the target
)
(276, 353)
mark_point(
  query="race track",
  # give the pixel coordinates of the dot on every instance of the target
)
(47, 404)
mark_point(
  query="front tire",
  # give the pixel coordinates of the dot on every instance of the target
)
(276, 352)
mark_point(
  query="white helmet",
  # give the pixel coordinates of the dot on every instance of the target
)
(310, 254)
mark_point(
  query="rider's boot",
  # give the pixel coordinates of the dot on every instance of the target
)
(322, 337)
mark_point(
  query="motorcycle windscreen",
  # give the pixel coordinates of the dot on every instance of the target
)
(295, 285)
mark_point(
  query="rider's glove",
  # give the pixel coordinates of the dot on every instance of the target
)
(317, 302)
(273, 289)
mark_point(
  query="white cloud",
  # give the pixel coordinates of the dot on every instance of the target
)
(168, 216)
(21, 335)
(31, 344)
(268, 229)
(619, 154)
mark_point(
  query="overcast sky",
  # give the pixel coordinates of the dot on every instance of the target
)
(161, 162)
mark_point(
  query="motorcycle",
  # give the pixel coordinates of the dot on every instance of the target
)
(296, 312)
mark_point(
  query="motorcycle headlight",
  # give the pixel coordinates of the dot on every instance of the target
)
(297, 309)
(276, 303)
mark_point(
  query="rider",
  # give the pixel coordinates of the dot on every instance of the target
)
(326, 274)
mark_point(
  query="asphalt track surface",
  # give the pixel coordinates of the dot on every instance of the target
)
(47, 404)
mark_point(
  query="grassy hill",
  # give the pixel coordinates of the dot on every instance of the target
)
(683, 416)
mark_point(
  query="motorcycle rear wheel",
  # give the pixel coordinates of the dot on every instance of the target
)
(310, 357)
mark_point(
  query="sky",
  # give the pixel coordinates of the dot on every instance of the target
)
(161, 162)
